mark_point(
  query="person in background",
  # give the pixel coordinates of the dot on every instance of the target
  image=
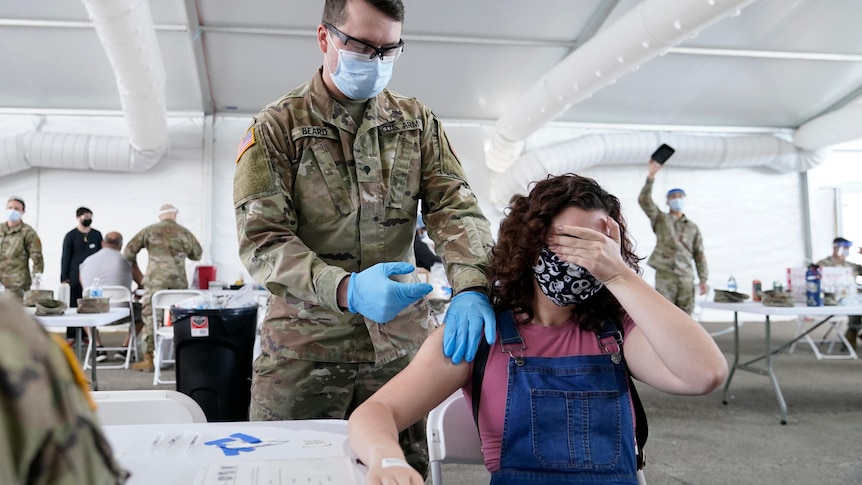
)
(840, 251)
(49, 433)
(19, 244)
(327, 186)
(168, 244)
(78, 244)
(575, 319)
(678, 242)
(425, 257)
(113, 269)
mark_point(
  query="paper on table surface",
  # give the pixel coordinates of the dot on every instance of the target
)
(335, 470)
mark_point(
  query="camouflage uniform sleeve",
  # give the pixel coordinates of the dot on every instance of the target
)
(647, 204)
(451, 212)
(134, 246)
(267, 221)
(34, 248)
(49, 434)
(193, 248)
(700, 257)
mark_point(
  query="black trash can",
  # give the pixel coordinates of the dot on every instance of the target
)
(214, 351)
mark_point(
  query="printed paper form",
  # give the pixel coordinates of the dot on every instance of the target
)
(319, 471)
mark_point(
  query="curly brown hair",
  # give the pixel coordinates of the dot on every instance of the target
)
(523, 232)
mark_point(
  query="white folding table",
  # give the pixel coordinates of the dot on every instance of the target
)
(183, 454)
(71, 318)
(768, 357)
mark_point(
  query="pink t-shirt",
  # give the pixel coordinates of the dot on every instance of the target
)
(556, 341)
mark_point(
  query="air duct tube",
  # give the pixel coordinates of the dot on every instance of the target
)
(634, 148)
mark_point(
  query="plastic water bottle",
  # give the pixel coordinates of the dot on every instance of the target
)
(96, 289)
(813, 277)
(731, 284)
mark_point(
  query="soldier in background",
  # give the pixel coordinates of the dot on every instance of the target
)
(19, 244)
(168, 244)
(326, 191)
(840, 251)
(678, 242)
(49, 433)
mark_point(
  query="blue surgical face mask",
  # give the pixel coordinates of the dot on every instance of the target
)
(359, 77)
(676, 204)
(12, 215)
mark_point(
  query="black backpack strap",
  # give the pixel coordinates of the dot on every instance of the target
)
(478, 374)
(507, 328)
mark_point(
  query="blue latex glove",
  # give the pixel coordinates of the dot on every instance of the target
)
(469, 314)
(374, 295)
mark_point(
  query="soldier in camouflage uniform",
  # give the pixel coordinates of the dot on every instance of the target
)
(49, 433)
(326, 191)
(19, 243)
(168, 244)
(840, 251)
(678, 242)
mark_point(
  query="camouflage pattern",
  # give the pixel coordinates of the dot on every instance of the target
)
(678, 242)
(854, 322)
(49, 433)
(318, 197)
(679, 290)
(168, 245)
(18, 245)
(296, 389)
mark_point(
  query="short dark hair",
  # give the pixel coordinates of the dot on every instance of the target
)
(334, 10)
(841, 241)
(18, 199)
(81, 211)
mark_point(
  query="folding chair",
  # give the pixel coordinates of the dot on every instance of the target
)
(452, 436)
(120, 295)
(161, 300)
(832, 336)
(146, 407)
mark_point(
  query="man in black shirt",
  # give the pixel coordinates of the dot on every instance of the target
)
(79, 243)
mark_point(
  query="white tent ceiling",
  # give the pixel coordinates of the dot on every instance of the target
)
(777, 65)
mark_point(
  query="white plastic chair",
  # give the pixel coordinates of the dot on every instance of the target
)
(146, 407)
(834, 335)
(120, 295)
(452, 436)
(161, 300)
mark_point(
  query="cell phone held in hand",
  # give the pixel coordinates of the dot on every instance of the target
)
(662, 154)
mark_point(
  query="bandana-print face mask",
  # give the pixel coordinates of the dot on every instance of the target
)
(564, 283)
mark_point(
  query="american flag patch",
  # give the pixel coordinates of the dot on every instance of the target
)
(247, 141)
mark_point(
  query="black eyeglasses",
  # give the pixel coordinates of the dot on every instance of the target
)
(361, 47)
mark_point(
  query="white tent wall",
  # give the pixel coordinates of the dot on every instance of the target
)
(752, 219)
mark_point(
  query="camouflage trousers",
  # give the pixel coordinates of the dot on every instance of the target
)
(679, 290)
(147, 337)
(299, 389)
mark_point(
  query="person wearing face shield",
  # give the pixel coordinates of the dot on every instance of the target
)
(678, 243)
(19, 244)
(327, 186)
(553, 398)
(840, 251)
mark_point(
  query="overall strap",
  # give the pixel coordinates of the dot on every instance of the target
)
(641, 426)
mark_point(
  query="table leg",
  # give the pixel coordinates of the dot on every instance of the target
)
(94, 338)
(78, 339)
(735, 356)
(771, 373)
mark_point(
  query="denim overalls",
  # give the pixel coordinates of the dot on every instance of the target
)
(568, 419)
